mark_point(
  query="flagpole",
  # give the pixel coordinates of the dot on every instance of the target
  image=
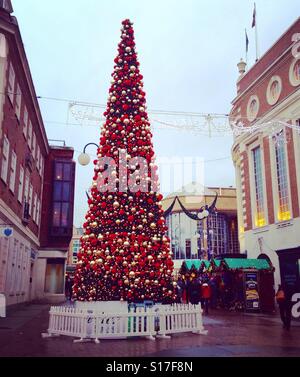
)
(247, 42)
(256, 34)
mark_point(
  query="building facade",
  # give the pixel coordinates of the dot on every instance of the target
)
(267, 161)
(26, 160)
(203, 239)
(74, 249)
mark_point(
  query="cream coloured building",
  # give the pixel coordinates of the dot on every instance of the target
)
(211, 237)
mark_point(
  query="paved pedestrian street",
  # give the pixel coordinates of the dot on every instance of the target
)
(229, 334)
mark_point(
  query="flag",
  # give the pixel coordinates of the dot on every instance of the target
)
(254, 17)
(247, 41)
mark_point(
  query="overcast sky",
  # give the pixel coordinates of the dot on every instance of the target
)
(188, 50)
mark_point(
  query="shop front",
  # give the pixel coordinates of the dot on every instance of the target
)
(236, 284)
(289, 262)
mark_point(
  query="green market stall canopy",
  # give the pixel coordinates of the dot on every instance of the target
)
(196, 264)
(226, 264)
(245, 264)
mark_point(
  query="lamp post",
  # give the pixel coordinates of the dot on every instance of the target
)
(204, 214)
(84, 159)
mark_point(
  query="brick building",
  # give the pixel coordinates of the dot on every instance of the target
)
(34, 177)
(267, 161)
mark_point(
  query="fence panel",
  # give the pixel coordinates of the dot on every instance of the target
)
(160, 320)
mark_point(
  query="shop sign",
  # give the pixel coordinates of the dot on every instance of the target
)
(251, 291)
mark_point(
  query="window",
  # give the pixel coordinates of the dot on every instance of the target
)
(41, 166)
(76, 247)
(38, 157)
(26, 189)
(18, 102)
(25, 122)
(259, 188)
(217, 234)
(34, 208)
(21, 184)
(188, 249)
(34, 146)
(54, 281)
(283, 212)
(234, 245)
(30, 199)
(62, 197)
(5, 155)
(12, 177)
(29, 139)
(38, 212)
(33, 150)
(11, 83)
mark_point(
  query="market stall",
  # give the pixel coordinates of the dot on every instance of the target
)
(248, 284)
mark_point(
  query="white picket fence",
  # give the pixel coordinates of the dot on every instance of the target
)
(161, 320)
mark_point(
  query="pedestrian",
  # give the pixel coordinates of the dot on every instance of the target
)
(283, 298)
(213, 286)
(194, 292)
(68, 287)
(205, 295)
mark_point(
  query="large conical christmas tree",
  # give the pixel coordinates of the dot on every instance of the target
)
(125, 254)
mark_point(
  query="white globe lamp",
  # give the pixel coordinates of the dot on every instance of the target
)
(84, 159)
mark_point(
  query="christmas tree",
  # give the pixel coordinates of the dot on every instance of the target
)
(125, 253)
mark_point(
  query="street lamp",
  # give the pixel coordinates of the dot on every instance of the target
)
(202, 215)
(84, 159)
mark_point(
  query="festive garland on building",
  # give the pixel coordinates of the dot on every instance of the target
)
(192, 215)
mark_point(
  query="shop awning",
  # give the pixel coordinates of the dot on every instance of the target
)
(197, 263)
(257, 264)
(217, 262)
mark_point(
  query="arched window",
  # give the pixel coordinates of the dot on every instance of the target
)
(264, 256)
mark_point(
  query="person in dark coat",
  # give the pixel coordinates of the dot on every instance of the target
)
(194, 292)
(68, 287)
(284, 300)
